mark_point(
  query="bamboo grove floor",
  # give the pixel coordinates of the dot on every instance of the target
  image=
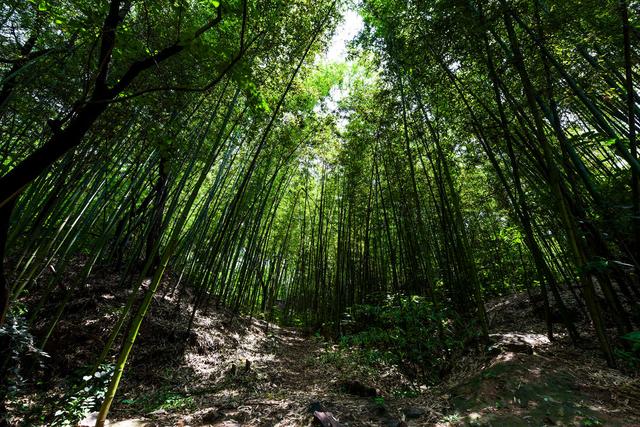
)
(237, 370)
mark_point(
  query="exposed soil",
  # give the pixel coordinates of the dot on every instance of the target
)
(244, 371)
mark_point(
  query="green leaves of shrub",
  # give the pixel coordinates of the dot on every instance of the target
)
(87, 397)
(405, 331)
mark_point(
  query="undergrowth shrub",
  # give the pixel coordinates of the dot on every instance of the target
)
(86, 396)
(19, 359)
(631, 355)
(19, 355)
(407, 332)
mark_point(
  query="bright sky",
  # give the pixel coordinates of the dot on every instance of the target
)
(345, 32)
(348, 29)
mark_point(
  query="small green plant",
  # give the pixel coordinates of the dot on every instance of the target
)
(165, 398)
(88, 395)
(405, 393)
(379, 401)
(354, 361)
(590, 421)
(177, 401)
(451, 418)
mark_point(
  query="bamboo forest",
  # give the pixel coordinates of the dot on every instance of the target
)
(331, 213)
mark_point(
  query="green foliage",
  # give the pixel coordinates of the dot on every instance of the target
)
(590, 421)
(164, 398)
(451, 418)
(406, 331)
(352, 361)
(405, 393)
(213, 3)
(89, 392)
(634, 339)
(632, 355)
(379, 401)
(596, 265)
(23, 355)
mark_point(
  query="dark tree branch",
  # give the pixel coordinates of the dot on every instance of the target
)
(144, 64)
(205, 88)
(111, 23)
(156, 59)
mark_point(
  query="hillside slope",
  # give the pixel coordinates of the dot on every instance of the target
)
(236, 370)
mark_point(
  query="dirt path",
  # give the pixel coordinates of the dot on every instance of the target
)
(266, 378)
(526, 381)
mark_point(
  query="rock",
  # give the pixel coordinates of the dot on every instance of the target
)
(499, 348)
(131, 423)
(89, 420)
(514, 343)
(394, 422)
(413, 412)
(326, 419)
(158, 412)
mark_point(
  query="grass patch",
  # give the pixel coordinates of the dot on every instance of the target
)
(163, 399)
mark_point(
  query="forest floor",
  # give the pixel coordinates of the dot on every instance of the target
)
(244, 371)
